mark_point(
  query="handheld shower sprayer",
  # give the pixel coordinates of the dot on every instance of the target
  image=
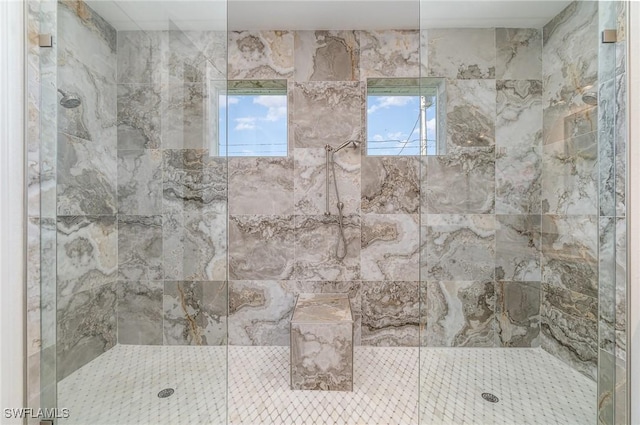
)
(329, 152)
(354, 143)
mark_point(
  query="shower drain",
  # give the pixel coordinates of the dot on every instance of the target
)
(168, 392)
(490, 397)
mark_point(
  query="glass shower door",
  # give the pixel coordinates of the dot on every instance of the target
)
(135, 298)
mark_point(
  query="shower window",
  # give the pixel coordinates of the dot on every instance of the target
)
(252, 118)
(405, 116)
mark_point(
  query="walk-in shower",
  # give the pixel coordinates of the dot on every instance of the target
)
(476, 220)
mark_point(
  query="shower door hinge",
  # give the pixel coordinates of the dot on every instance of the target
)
(609, 36)
(45, 40)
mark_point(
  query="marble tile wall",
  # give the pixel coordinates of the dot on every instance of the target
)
(279, 238)
(172, 190)
(34, 341)
(612, 282)
(583, 222)
(84, 188)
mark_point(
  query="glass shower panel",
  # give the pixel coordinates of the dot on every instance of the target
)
(522, 219)
(135, 298)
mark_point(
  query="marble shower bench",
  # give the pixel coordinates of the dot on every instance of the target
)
(322, 343)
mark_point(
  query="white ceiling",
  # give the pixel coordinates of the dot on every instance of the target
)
(325, 14)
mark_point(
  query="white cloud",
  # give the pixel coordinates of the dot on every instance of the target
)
(227, 100)
(377, 138)
(245, 123)
(398, 135)
(277, 106)
(384, 102)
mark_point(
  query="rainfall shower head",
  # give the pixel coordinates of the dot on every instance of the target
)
(69, 101)
(590, 98)
(354, 143)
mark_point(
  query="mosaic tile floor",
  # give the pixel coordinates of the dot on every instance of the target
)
(121, 386)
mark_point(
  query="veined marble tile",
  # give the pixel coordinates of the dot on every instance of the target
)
(326, 112)
(140, 247)
(519, 114)
(621, 142)
(86, 177)
(570, 302)
(570, 176)
(424, 52)
(33, 381)
(389, 53)
(139, 182)
(607, 275)
(622, 389)
(322, 343)
(86, 327)
(184, 119)
(260, 311)
(606, 142)
(621, 288)
(461, 314)
(518, 313)
(390, 247)
(48, 155)
(309, 181)
(82, 32)
(390, 313)
(195, 245)
(518, 54)
(142, 56)
(261, 186)
(458, 247)
(471, 113)
(390, 185)
(48, 376)
(194, 56)
(87, 253)
(569, 253)
(518, 248)
(621, 35)
(462, 181)
(571, 338)
(607, 14)
(326, 56)
(139, 116)
(195, 313)
(48, 281)
(462, 53)
(260, 54)
(140, 312)
(606, 387)
(34, 282)
(316, 239)
(518, 181)
(351, 287)
(261, 247)
(570, 67)
(193, 181)
(95, 118)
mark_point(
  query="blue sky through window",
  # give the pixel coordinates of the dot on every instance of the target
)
(393, 125)
(252, 125)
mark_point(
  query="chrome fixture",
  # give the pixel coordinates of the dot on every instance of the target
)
(69, 101)
(329, 161)
(590, 98)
